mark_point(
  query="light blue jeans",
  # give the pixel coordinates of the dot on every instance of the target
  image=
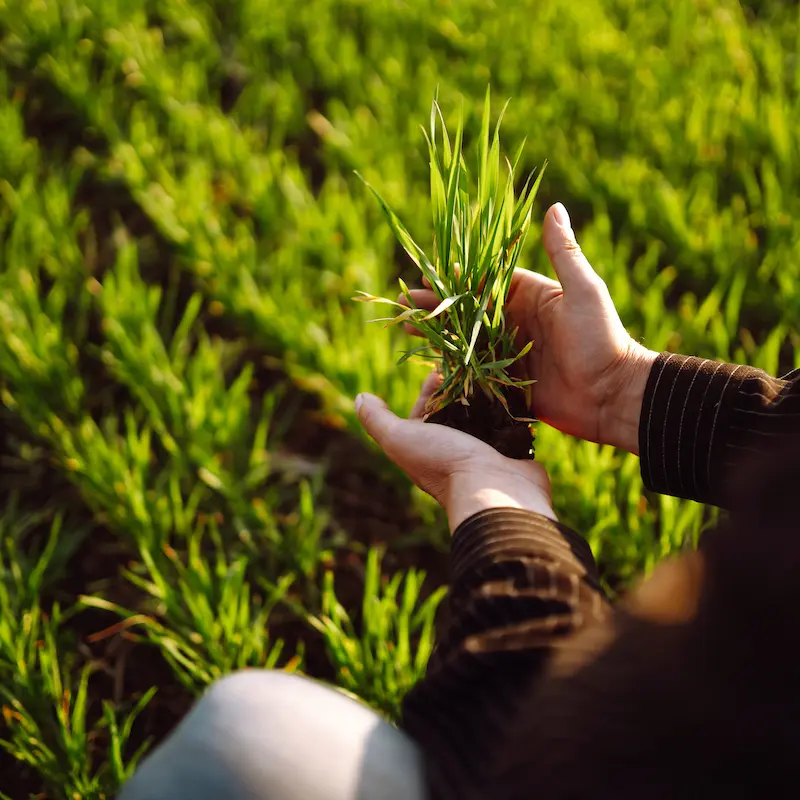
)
(266, 735)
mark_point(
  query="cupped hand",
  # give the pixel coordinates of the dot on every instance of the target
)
(590, 373)
(463, 474)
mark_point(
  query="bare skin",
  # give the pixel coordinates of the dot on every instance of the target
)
(460, 472)
(591, 374)
(591, 379)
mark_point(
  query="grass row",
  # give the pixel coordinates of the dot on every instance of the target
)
(181, 468)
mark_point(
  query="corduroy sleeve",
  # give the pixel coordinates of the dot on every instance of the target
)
(700, 418)
(520, 585)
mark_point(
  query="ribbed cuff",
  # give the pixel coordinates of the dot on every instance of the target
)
(687, 405)
(502, 533)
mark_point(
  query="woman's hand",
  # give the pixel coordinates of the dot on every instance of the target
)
(591, 374)
(460, 472)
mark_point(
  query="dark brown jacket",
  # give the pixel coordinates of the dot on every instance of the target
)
(538, 689)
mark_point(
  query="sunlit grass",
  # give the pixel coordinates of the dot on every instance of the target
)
(178, 208)
(480, 225)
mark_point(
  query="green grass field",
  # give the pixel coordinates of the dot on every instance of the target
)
(185, 489)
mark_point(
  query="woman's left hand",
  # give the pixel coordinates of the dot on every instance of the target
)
(463, 474)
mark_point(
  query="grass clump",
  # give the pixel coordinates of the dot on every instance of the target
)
(477, 241)
(382, 656)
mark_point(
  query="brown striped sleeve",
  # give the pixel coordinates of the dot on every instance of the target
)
(520, 585)
(700, 418)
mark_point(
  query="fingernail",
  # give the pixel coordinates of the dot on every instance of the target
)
(561, 215)
(359, 402)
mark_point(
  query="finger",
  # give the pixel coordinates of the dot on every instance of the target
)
(404, 441)
(431, 384)
(411, 330)
(378, 421)
(422, 298)
(526, 290)
(573, 270)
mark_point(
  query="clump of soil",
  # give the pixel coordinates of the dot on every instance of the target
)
(488, 421)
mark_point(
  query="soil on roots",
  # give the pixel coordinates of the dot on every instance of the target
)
(487, 420)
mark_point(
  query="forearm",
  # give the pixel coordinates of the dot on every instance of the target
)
(699, 418)
(521, 584)
(472, 493)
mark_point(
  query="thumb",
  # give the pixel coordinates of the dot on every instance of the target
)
(413, 446)
(409, 443)
(574, 272)
(380, 423)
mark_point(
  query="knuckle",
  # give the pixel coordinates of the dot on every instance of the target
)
(600, 283)
(597, 284)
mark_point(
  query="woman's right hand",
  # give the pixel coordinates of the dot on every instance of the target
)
(590, 373)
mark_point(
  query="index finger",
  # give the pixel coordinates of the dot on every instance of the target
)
(422, 298)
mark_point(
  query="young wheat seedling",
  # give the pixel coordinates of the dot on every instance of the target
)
(477, 242)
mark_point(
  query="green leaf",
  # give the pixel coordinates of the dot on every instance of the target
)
(406, 292)
(443, 306)
(476, 328)
(518, 156)
(410, 353)
(371, 298)
(453, 181)
(209, 478)
(509, 382)
(483, 186)
(503, 363)
(438, 191)
(448, 153)
(405, 315)
(523, 211)
(415, 252)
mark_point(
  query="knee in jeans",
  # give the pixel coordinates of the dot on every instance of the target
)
(237, 696)
(264, 734)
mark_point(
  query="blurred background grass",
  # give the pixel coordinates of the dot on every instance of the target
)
(185, 489)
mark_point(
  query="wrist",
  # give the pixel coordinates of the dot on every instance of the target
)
(622, 409)
(470, 493)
